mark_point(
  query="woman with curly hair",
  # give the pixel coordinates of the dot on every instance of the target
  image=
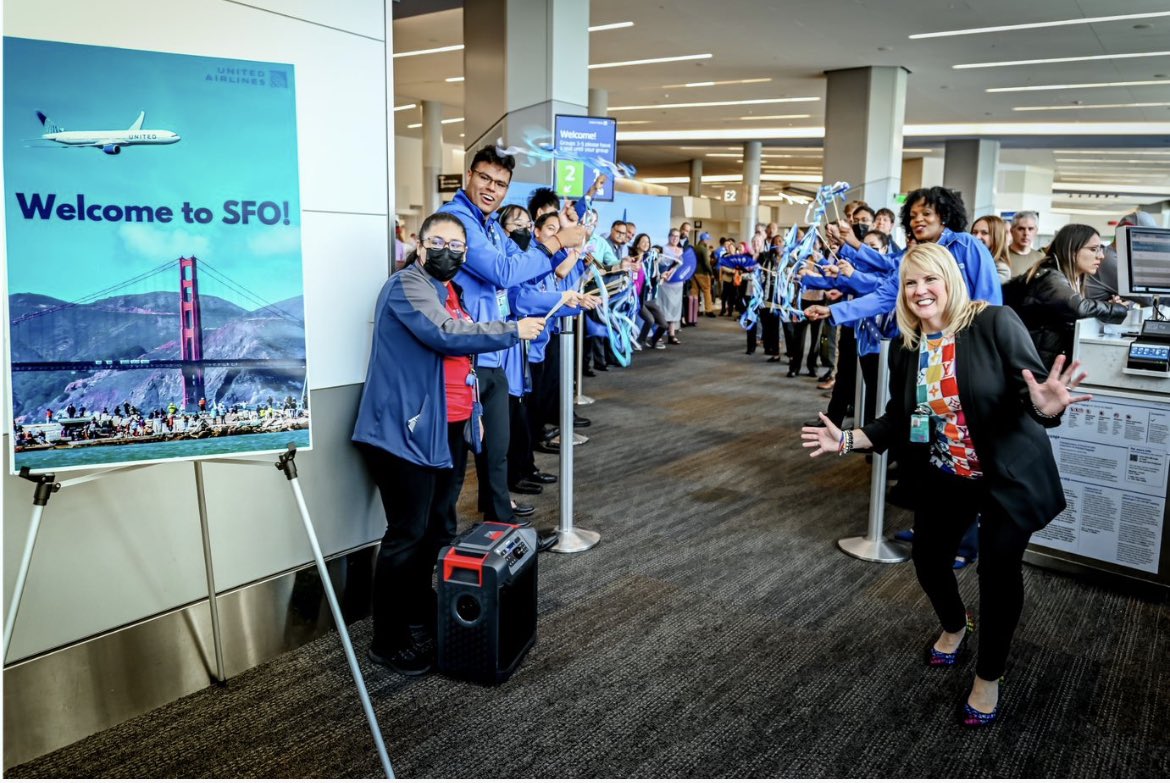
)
(930, 215)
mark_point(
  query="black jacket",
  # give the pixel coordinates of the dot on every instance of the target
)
(1009, 437)
(1049, 307)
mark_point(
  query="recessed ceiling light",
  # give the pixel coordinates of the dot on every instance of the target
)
(716, 84)
(405, 106)
(917, 149)
(1045, 87)
(652, 60)
(778, 117)
(709, 104)
(1091, 106)
(1115, 152)
(1034, 25)
(415, 125)
(437, 50)
(612, 26)
(1094, 57)
(453, 79)
(451, 121)
(724, 154)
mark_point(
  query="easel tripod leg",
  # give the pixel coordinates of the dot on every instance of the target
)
(288, 466)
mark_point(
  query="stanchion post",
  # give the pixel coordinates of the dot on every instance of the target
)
(581, 399)
(873, 546)
(286, 463)
(570, 539)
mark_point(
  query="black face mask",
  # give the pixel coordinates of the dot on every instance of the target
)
(521, 238)
(861, 229)
(442, 264)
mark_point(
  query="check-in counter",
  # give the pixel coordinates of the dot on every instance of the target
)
(1113, 454)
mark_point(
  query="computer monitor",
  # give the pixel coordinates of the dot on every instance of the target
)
(1143, 261)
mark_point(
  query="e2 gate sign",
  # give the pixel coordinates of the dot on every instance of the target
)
(579, 142)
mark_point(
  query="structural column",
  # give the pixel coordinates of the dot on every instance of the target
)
(864, 112)
(970, 170)
(598, 102)
(696, 185)
(524, 62)
(752, 150)
(432, 154)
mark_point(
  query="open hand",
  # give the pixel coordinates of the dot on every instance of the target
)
(1056, 393)
(822, 440)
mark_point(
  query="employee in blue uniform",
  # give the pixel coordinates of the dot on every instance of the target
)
(495, 263)
(411, 426)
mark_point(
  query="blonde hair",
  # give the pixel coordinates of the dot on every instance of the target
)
(998, 230)
(960, 311)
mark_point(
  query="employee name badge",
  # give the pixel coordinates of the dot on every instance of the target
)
(919, 428)
(502, 304)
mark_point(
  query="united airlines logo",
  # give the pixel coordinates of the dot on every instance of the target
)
(246, 77)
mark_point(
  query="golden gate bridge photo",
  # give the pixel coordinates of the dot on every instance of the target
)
(138, 372)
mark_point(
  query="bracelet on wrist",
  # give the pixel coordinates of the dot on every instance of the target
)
(1044, 415)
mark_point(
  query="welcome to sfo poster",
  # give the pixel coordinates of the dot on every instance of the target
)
(155, 291)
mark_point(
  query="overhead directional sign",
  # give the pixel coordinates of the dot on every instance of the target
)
(581, 143)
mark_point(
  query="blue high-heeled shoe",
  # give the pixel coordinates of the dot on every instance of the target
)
(936, 657)
(973, 717)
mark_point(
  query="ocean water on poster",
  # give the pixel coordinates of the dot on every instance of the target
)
(139, 452)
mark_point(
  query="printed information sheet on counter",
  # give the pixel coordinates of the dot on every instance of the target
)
(1112, 454)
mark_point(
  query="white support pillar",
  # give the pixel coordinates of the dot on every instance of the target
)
(864, 112)
(752, 151)
(970, 169)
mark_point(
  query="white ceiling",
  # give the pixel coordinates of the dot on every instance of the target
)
(793, 42)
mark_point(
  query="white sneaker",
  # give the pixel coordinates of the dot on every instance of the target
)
(635, 345)
(660, 346)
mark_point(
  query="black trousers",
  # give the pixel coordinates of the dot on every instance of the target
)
(770, 325)
(521, 464)
(491, 464)
(420, 505)
(947, 508)
(727, 298)
(845, 387)
(795, 335)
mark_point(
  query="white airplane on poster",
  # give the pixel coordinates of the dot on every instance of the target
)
(110, 142)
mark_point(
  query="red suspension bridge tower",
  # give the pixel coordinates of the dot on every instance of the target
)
(190, 333)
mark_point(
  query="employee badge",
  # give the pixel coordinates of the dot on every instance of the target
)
(919, 428)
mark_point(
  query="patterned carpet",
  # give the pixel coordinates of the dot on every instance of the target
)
(716, 631)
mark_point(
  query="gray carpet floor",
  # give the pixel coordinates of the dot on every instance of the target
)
(716, 631)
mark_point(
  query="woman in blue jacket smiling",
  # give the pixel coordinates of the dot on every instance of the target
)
(415, 406)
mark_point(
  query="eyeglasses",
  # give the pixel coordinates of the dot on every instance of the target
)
(485, 180)
(438, 243)
(518, 225)
(1097, 250)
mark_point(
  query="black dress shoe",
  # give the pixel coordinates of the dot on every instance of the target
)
(546, 539)
(544, 447)
(580, 421)
(773, 358)
(811, 373)
(600, 368)
(523, 510)
(525, 487)
(825, 378)
(588, 373)
(543, 478)
(792, 373)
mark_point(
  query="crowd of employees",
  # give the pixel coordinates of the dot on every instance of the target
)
(463, 340)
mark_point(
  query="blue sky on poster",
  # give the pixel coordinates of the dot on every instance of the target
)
(238, 129)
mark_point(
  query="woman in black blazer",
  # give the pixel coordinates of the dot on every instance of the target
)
(970, 413)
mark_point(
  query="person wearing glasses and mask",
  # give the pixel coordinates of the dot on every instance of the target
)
(413, 420)
(494, 263)
(1050, 297)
